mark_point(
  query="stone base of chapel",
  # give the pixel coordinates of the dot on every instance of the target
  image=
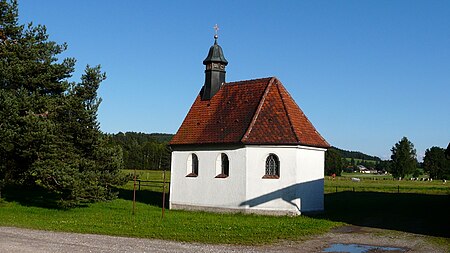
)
(252, 210)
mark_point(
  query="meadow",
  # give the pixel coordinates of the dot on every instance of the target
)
(424, 210)
(384, 183)
(27, 210)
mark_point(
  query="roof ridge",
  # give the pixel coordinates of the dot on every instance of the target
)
(249, 80)
(258, 110)
(306, 118)
(286, 110)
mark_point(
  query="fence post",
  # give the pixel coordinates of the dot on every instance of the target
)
(336, 188)
(164, 194)
(134, 192)
(353, 189)
(139, 184)
(398, 189)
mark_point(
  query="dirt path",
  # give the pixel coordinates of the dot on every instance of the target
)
(365, 236)
(37, 241)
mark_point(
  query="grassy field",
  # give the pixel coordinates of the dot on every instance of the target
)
(424, 212)
(149, 174)
(383, 183)
(386, 187)
(357, 160)
(365, 175)
(115, 218)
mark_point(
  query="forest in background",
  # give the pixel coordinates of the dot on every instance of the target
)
(151, 151)
(355, 155)
(144, 151)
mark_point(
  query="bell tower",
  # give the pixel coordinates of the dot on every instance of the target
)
(215, 64)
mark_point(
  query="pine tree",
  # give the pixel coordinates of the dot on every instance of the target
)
(49, 133)
(403, 158)
(333, 162)
(436, 164)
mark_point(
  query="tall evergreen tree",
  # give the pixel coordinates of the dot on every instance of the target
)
(447, 151)
(333, 162)
(49, 133)
(403, 158)
(436, 164)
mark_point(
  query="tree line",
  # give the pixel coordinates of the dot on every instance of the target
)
(403, 162)
(355, 155)
(144, 151)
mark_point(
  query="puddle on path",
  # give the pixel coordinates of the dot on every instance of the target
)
(359, 248)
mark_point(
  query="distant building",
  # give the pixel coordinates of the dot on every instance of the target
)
(365, 170)
(246, 146)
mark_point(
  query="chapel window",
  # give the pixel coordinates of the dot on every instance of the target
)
(224, 164)
(192, 165)
(272, 167)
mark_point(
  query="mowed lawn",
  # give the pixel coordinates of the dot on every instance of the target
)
(424, 212)
(383, 183)
(116, 218)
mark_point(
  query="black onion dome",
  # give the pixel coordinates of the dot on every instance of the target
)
(215, 54)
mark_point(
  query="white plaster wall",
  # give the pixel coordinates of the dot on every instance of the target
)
(298, 189)
(205, 190)
(272, 194)
(311, 163)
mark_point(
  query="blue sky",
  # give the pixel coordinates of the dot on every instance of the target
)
(366, 73)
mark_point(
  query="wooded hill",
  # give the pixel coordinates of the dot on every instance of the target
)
(150, 151)
(355, 155)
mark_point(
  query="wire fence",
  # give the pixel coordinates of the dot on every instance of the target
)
(345, 185)
(434, 190)
(153, 185)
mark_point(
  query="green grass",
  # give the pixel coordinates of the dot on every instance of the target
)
(373, 204)
(377, 183)
(357, 160)
(424, 214)
(115, 218)
(149, 174)
(419, 207)
(365, 175)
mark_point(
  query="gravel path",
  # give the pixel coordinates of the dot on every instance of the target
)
(37, 241)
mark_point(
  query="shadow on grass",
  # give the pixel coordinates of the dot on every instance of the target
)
(39, 197)
(149, 197)
(415, 213)
(34, 196)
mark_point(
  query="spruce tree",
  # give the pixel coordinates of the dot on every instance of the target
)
(436, 164)
(403, 158)
(333, 162)
(49, 133)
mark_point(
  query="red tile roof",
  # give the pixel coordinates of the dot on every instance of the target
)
(257, 111)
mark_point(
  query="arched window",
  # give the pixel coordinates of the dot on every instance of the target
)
(192, 165)
(222, 166)
(225, 165)
(272, 167)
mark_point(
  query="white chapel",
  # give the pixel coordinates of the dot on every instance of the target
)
(246, 146)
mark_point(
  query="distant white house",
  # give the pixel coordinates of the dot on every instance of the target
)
(363, 169)
(247, 147)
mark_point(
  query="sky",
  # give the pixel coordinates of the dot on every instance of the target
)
(366, 73)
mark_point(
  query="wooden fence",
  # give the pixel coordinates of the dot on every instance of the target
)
(152, 184)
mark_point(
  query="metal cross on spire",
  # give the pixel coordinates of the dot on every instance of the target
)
(216, 29)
